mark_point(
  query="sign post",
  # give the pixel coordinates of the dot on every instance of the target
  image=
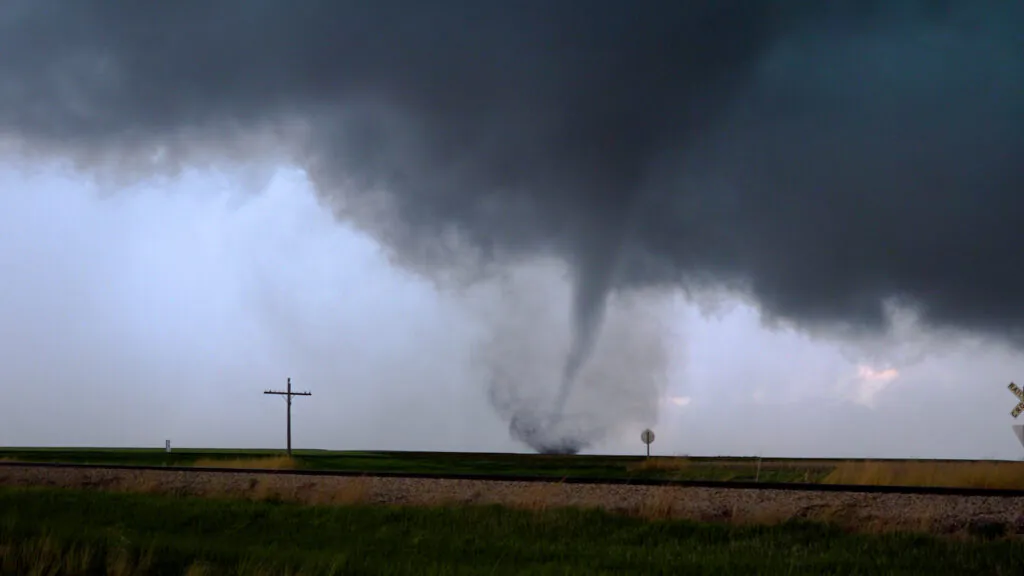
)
(1020, 399)
(647, 436)
(1018, 430)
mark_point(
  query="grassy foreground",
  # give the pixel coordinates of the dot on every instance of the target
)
(64, 532)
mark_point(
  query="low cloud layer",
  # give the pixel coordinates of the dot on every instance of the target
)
(824, 159)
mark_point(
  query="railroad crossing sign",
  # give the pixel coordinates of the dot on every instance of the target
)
(647, 436)
(1020, 396)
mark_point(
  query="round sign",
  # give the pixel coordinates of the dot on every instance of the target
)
(647, 436)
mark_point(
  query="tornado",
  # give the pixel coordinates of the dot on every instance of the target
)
(820, 159)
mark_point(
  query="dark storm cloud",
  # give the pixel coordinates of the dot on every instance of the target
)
(823, 156)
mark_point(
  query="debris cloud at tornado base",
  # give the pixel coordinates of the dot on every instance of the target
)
(527, 339)
(823, 158)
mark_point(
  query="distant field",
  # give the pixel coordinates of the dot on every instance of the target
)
(450, 463)
(64, 532)
(975, 474)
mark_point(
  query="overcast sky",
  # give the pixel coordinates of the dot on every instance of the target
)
(778, 227)
(164, 310)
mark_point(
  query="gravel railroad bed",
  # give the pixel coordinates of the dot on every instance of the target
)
(939, 513)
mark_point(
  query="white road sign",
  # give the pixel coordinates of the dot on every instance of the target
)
(647, 436)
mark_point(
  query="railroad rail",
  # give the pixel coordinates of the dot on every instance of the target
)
(718, 484)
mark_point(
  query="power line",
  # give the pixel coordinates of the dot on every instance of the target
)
(288, 398)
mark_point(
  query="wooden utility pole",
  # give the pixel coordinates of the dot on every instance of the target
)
(288, 398)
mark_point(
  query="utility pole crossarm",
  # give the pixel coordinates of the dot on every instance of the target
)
(288, 398)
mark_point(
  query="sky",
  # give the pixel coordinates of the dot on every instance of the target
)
(162, 311)
(786, 227)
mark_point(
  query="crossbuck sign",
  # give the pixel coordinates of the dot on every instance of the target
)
(1020, 396)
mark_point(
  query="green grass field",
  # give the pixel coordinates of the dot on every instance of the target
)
(456, 463)
(951, 473)
(64, 532)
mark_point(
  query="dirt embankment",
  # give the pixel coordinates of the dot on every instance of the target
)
(943, 514)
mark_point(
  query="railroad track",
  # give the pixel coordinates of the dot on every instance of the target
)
(727, 485)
